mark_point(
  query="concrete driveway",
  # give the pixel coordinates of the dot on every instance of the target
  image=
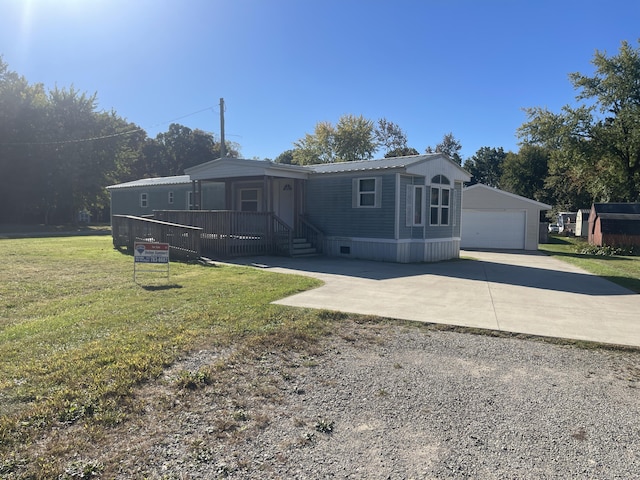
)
(520, 292)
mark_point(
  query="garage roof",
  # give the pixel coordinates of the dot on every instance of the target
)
(511, 198)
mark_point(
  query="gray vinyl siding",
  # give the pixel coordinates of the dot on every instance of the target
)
(126, 201)
(329, 206)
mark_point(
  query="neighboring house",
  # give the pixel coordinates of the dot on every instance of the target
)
(567, 222)
(402, 209)
(493, 218)
(582, 222)
(142, 197)
(614, 224)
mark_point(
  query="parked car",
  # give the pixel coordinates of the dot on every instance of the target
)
(554, 228)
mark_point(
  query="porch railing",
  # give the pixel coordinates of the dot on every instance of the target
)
(214, 233)
(306, 229)
(184, 241)
(227, 233)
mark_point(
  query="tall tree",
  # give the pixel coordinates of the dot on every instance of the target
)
(450, 146)
(599, 140)
(524, 172)
(285, 157)
(486, 166)
(401, 152)
(177, 149)
(318, 147)
(390, 136)
(57, 152)
(353, 138)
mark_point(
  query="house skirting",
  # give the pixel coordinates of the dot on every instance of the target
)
(400, 251)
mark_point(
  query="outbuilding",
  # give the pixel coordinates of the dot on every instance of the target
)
(582, 222)
(614, 224)
(493, 218)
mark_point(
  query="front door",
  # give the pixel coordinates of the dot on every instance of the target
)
(283, 200)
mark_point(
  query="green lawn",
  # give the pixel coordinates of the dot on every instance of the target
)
(623, 270)
(77, 335)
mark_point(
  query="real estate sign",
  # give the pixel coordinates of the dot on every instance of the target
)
(146, 252)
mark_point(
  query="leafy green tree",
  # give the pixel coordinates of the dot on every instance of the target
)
(524, 173)
(318, 147)
(486, 166)
(597, 143)
(177, 149)
(355, 139)
(58, 152)
(401, 152)
(450, 146)
(22, 127)
(285, 157)
(391, 137)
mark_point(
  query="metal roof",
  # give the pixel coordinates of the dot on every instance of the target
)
(632, 208)
(497, 191)
(364, 165)
(146, 182)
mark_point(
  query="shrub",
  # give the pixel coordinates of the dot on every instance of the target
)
(605, 250)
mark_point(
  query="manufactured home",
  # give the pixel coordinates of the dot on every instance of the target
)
(402, 209)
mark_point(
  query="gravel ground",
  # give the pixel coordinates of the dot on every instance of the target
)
(389, 401)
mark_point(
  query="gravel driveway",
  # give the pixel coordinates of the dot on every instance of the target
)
(397, 401)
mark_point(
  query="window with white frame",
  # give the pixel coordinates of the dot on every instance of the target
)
(170, 198)
(415, 205)
(367, 192)
(249, 200)
(439, 200)
(144, 200)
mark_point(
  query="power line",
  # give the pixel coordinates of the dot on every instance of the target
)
(102, 137)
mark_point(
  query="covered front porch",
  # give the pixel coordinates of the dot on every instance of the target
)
(263, 214)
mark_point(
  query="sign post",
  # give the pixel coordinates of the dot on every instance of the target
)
(148, 256)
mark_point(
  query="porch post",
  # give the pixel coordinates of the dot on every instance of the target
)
(267, 194)
(196, 189)
(198, 205)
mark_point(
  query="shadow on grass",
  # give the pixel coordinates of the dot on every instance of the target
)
(159, 288)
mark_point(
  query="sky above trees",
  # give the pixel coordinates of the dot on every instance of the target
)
(282, 66)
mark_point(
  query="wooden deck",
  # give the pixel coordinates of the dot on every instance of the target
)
(183, 240)
(209, 233)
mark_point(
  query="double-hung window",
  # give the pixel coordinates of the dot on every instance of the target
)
(249, 200)
(439, 200)
(367, 192)
(144, 200)
(170, 198)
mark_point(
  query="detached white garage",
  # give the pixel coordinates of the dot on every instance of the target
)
(493, 218)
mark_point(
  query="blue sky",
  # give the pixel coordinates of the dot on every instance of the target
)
(430, 66)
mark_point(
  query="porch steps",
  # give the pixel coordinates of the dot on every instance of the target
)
(303, 248)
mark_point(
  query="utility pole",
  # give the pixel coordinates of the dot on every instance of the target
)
(223, 148)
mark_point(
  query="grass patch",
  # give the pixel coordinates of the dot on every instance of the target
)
(77, 335)
(621, 269)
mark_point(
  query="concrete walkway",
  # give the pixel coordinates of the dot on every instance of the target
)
(520, 292)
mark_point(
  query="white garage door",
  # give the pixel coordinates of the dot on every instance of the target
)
(493, 229)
